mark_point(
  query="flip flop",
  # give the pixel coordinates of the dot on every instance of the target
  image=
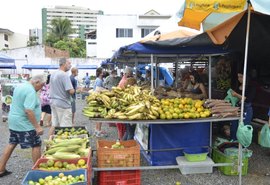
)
(5, 173)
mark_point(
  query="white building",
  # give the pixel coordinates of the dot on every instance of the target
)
(83, 20)
(37, 33)
(114, 31)
(11, 40)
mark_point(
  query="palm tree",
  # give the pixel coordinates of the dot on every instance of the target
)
(60, 28)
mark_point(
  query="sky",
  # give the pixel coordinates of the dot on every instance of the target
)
(20, 16)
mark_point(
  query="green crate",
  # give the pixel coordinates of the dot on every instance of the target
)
(219, 157)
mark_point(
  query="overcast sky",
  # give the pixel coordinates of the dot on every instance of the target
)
(20, 16)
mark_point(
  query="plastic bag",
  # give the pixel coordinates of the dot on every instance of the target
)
(234, 152)
(244, 134)
(233, 100)
(265, 136)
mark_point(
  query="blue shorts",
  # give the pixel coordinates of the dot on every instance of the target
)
(27, 139)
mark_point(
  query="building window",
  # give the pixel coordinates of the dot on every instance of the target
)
(124, 32)
(6, 45)
(6, 37)
(146, 31)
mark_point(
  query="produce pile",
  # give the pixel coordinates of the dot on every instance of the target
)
(65, 133)
(71, 148)
(118, 154)
(66, 159)
(221, 108)
(60, 179)
(183, 108)
(131, 103)
(52, 165)
(135, 103)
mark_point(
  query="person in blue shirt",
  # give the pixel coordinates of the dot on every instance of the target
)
(87, 81)
(23, 121)
(98, 86)
(74, 82)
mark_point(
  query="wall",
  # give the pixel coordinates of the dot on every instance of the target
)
(107, 43)
(35, 55)
(55, 53)
(18, 40)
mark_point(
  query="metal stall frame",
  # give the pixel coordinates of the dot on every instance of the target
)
(170, 58)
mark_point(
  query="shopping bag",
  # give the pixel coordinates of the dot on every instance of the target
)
(265, 136)
(233, 100)
(244, 134)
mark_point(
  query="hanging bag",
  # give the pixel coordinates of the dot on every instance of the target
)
(265, 136)
(244, 134)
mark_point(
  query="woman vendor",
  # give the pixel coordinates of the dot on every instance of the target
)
(248, 99)
(195, 85)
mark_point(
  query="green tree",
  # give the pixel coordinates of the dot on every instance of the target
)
(76, 47)
(59, 29)
(57, 37)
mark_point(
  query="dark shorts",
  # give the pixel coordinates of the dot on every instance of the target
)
(27, 139)
(73, 106)
(47, 109)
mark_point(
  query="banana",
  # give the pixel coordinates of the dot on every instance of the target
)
(122, 117)
(135, 116)
(136, 109)
(148, 104)
(150, 116)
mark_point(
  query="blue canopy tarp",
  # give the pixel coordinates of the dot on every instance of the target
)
(138, 48)
(6, 59)
(107, 62)
(86, 66)
(6, 66)
(40, 66)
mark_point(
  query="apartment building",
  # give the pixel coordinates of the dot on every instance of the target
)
(83, 20)
(37, 34)
(11, 40)
(116, 30)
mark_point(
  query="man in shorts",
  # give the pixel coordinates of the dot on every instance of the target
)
(61, 91)
(23, 121)
(74, 73)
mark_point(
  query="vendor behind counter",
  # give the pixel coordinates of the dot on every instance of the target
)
(195, 85)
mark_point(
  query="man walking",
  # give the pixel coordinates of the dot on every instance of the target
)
(23, 121)
(61, 91)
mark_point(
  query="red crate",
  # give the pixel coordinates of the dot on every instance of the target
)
(128, 177)
(126, 157)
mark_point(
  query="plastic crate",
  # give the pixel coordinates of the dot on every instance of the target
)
(187, 167)
(70, 161)
(219, 157)
(75, 127)
(126, 157)
(195, 154)
(34, 175)
(132, 177)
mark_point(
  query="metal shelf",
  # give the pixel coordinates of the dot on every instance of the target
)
(165, 121)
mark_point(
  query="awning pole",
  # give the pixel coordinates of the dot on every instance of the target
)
(243, 93)
(152, 73)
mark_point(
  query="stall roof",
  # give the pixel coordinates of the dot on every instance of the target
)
(7, 67)
(86, 66)
(6, 59)
(40, 66)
